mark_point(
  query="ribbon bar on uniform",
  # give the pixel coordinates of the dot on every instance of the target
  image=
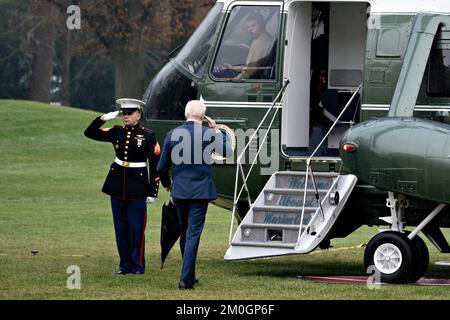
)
(127, 164)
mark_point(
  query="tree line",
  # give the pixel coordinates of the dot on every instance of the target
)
(115, 50)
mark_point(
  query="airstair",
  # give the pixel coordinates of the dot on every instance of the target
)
(295, 210)
(283, 209)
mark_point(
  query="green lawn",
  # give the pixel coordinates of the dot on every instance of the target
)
(50, 202)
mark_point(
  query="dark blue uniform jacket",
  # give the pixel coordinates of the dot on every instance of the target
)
(134, 144)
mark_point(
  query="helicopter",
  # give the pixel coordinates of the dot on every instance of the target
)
(339, 113)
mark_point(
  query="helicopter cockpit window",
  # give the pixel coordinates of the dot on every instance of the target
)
(195, 52)
(439, 73)
(249, 44)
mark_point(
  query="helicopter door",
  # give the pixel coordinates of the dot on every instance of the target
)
(324, 60)
(295, 117)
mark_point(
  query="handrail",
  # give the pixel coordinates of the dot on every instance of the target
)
(310, 171)
(239, 167)
(335, 122)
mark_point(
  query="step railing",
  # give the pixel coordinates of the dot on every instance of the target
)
(309, 172)
(239, 166)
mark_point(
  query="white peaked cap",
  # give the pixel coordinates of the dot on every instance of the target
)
(127, 103)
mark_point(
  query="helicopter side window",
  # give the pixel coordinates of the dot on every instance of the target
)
(249, 44)
(439, 73)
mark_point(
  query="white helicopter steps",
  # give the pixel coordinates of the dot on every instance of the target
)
(271, 226)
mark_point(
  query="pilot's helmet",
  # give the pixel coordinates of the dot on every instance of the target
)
(128, 106)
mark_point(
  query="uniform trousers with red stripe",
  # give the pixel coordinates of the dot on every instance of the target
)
(130, 219)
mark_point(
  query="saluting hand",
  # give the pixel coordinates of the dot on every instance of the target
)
(109, 116)
(211, 123)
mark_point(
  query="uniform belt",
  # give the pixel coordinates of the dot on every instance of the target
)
(127, 164)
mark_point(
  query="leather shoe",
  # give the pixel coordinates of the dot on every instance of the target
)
(138, 272)
(120, 273)
(183, 286)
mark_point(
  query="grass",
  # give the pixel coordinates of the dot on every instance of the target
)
(50, 202)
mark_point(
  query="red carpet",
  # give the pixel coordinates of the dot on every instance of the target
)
(363, 280)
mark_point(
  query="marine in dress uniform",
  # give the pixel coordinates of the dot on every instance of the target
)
(132, 181)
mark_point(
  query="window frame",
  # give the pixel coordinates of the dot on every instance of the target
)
(279, 33)
(429, 74)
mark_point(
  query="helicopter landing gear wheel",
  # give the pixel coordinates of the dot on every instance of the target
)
(421, 258)
(392, 254)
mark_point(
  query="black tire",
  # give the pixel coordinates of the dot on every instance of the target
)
(400, 242)
(421, 259)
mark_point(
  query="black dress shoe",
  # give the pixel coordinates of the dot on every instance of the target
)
(120, 273)
(138, 272)
(183, 286)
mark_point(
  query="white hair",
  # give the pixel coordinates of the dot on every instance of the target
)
(194, 108)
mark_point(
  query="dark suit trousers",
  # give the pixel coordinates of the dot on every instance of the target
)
(130, 218)
(191, 214)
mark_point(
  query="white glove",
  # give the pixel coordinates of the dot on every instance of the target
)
(109, 115)
(150, 200)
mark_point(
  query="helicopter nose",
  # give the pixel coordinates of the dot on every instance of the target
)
(353, 146)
